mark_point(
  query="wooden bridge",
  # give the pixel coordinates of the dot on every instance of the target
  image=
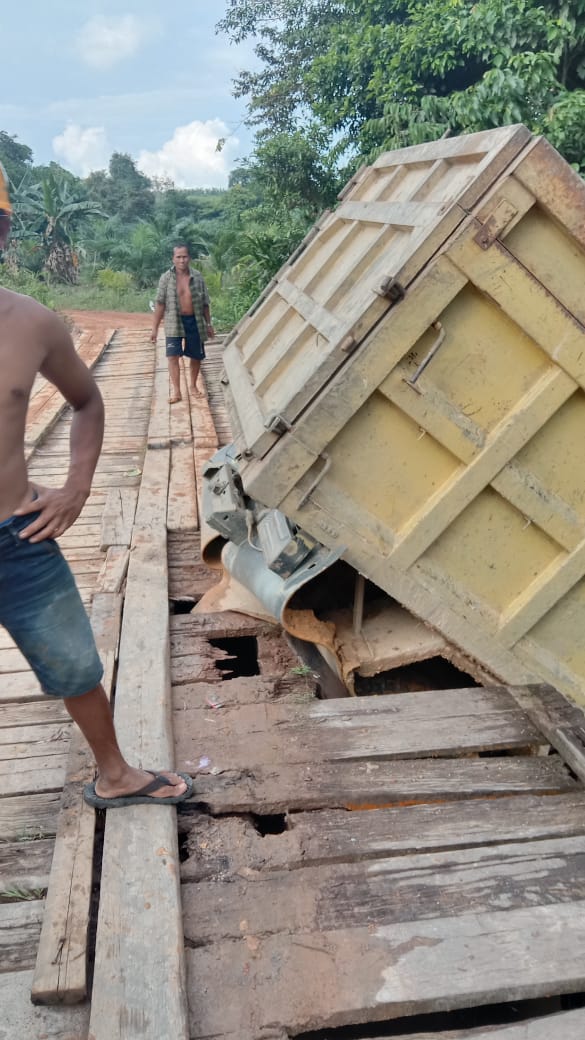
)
(404, 865)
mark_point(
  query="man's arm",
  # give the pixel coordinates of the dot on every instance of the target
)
(60, 507)
(159, 310)
(159, 307)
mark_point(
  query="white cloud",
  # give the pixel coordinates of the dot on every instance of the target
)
(82, 150)
(191, 158)
(102, 42)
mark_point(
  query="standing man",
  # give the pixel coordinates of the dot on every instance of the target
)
(183, 300)
(39, 602)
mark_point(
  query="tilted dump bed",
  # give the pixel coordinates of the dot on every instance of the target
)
(410, 389)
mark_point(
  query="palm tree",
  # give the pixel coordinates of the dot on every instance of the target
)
(53, 210)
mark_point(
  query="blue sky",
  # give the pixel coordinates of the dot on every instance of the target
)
(81, 80)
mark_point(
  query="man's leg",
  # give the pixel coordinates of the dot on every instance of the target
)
(91, 711)
(195, 366)
(175, 377)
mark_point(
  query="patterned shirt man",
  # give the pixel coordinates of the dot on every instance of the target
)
(183, 301)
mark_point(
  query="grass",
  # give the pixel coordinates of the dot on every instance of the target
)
(95, 298)
(15, 894)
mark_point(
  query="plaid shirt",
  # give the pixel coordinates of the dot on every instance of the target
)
(168, 296)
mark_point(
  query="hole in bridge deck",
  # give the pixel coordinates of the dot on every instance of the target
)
(274, 823)
(433, 674)
(487, 1015)
(242, 659)
(184, 605)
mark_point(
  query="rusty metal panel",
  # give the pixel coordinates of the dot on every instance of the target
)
(357, 262)
(445, 458)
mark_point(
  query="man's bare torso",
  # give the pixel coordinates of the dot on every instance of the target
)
(22, 352)
(184, 292)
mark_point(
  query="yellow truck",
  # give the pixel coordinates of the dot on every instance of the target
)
(407, 400)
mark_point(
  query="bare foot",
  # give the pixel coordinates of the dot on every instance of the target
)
(175, 398)
(197, 392)
(135, 779)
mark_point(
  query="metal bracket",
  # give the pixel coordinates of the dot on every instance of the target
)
(391, 289)
(497, 221)
(277, 424)
(326, 467)
(434, 348)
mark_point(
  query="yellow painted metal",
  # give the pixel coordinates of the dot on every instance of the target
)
(443, 448)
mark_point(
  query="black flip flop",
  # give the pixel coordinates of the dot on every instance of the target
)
(140, 797)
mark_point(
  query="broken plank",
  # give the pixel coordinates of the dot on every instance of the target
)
(113, 570)
(347, 976)
(118, 516)
(562, 722)
(325, 837)
(362, 785)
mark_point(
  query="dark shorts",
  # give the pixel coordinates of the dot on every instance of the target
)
(42, 610)
(192, 340)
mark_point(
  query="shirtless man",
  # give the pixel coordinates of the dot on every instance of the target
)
(183, 300)
(39, 602)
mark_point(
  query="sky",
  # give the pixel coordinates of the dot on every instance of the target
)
(81, 80)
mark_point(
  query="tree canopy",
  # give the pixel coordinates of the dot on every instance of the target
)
(376, 74)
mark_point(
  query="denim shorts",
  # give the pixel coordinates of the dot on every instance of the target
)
(42, 610)
(193, 345)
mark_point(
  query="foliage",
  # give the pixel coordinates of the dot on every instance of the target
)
(119, 282)
(123, 190)
(376, 74)
(19, 280)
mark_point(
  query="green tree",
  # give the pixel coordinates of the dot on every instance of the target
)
(15, 157)
(51, 211)
(384, 73)
(123, 191)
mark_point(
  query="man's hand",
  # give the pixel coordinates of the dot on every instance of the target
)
(210, 330)
(154, 335)
(58, 508)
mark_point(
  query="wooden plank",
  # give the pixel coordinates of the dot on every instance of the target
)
(376, 973)
(387, 892)
(118, 516)
(20, 924)
(33, 713)
(325, 837)
(32, 776)
(182, 511)
(138, 985)
(440, 723)
(21, 1020)
(61, 965)
(280, 788)
(29, 817)
(30, 742)
(25, 866)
